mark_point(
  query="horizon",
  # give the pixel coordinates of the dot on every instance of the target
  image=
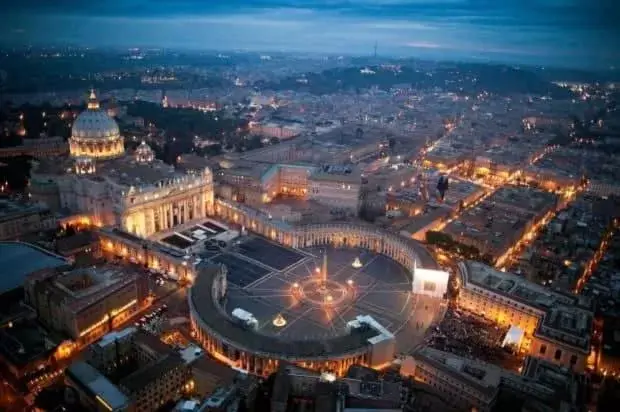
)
(555, 33)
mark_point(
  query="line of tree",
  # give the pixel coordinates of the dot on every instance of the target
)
(447, 243)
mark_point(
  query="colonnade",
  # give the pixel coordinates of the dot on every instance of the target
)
(337, 234)
(165, 215)
(263, 363)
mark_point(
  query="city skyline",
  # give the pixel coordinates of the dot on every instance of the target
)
(569, 33)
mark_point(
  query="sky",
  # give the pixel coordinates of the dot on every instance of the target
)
(570, 33)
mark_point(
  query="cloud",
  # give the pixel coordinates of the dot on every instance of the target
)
(424, 45)
(547, 29)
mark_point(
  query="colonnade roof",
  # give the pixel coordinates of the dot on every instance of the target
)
(210, 314)
(424, 256)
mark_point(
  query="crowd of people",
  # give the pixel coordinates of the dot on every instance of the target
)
(469, 335)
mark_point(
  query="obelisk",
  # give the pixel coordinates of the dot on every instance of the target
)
(324, 270)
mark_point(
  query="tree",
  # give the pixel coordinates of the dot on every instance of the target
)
(438, 238)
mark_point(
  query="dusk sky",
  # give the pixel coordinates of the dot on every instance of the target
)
(578, 33)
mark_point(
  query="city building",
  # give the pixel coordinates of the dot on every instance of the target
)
(18, 260)
(279, 130)
(85, 303)
(137, 193)
(161, 376)
(21, 218)
(468, 384)
(338, 187)
(555, 326)
(37, 148)
(231, 397)
(129, 370)
(26, 347)
(115, 243)
(91, 388)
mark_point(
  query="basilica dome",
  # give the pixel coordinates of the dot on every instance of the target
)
(94, 124)
(144, 153)
(95, 134)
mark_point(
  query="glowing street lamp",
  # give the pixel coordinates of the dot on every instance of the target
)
(279, 321)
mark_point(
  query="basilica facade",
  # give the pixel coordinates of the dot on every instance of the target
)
(133, 191)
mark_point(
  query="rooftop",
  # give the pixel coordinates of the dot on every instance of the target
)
(566, 318)
(338, 173)
(24, 342)
(151, 372)
(91, 380)
(18, 260)
(114, 336)
(485, 377)
(10, 209)
(123, 171)
(80, 288)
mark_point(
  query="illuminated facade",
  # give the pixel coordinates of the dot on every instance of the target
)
(115, 243)
(557, 327)
(137, 193)
(85, 303)
(95, 134)
(338, 187)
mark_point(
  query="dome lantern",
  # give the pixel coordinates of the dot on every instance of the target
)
(93, 103)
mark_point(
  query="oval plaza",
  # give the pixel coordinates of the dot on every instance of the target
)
(240, 338)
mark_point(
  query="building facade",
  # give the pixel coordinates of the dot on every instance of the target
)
(556, 327)
(87, 303)
(148, 373)
(38, 148)
(115, 243)
(137, 193)
(338, 187)
(19, 219)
